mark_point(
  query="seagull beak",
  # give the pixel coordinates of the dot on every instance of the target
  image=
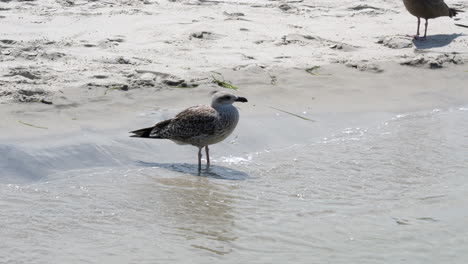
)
(241, 99)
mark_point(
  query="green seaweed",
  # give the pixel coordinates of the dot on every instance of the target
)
(112, 88)
(31, 125)
(122, 87)
(289, 113)
(313, 70)
(223, 84)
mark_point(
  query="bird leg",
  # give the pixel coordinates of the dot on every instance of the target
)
(425, 28)
(417, 31)
(419, 23)
(207, 156)
(199, 158)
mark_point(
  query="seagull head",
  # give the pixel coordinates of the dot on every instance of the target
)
(226, 98)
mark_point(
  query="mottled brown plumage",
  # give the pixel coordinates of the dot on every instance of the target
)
(199, 126)
(428, 9)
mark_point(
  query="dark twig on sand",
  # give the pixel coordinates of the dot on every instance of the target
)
(21, 122)
(289, 113)
(274, 79)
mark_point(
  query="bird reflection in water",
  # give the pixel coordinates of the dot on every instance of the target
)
(200, 209)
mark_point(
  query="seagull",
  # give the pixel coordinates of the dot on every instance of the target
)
(199, 126)
(428, 9)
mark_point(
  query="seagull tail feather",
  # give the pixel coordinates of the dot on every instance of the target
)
(143, 133)
(151, 132)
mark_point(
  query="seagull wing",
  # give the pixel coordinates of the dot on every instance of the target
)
(437, 8)
(192, 122)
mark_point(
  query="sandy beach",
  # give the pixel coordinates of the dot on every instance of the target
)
(83, 59)
(379, 146)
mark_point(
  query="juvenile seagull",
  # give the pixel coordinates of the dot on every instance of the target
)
(199, 126)
(428, 9)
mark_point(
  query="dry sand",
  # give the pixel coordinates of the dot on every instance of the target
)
(74, 65)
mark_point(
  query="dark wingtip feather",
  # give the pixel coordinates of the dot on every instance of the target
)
(453, 12)
(144, 133)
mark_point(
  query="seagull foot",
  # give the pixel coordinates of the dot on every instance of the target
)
(420, 38)
(416, 37)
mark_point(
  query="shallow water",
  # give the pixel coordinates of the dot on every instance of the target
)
(388, 189)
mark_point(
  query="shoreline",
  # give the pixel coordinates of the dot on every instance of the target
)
(146, 62)
(330, 89)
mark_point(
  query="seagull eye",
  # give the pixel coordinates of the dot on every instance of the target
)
(225, 98)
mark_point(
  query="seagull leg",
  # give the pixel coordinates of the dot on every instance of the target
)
(207, 156)
(199, 158)
(417, 31)
(425, 28)
(419, 23)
